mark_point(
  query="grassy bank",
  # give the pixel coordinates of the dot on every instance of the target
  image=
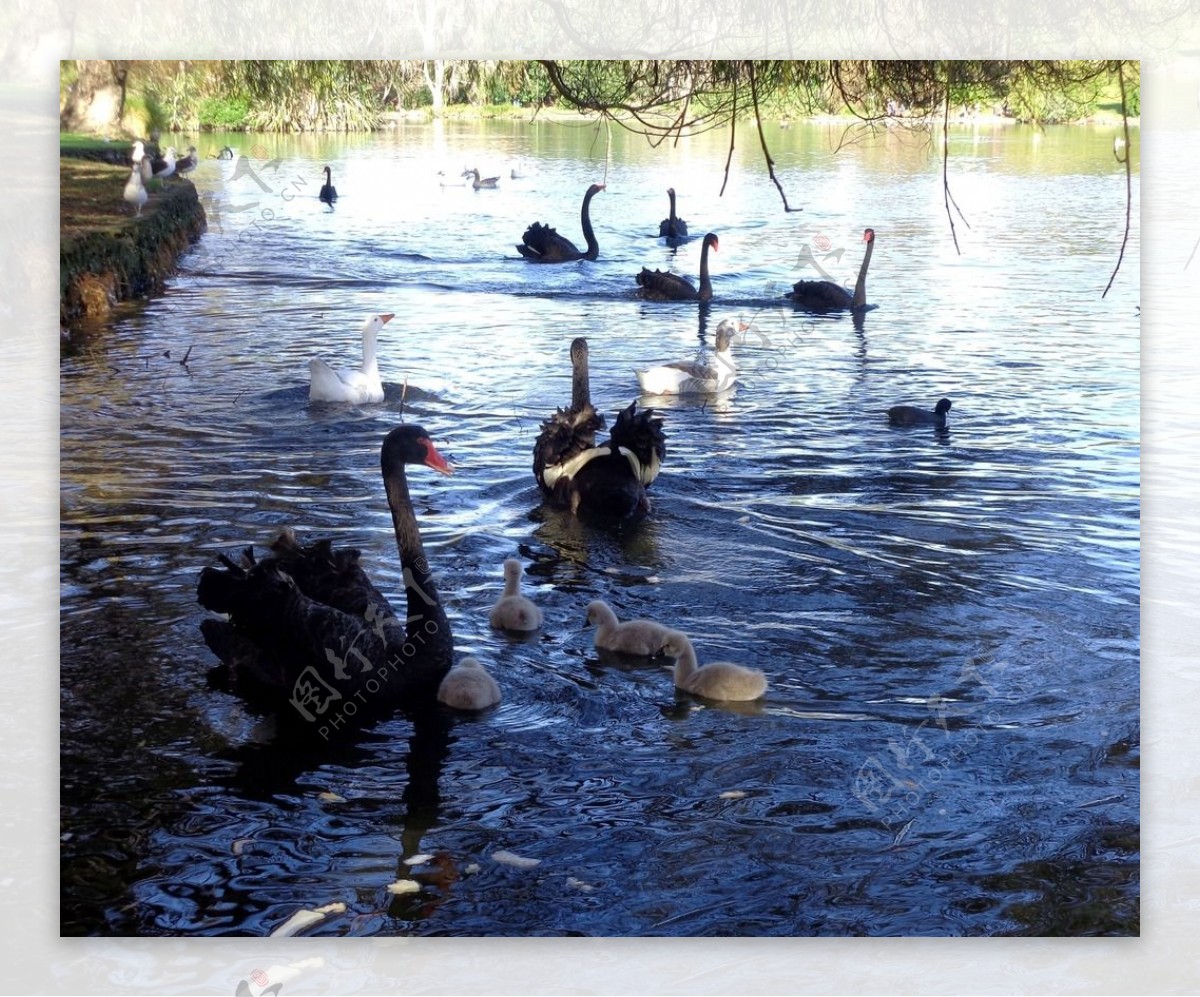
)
(106, 254)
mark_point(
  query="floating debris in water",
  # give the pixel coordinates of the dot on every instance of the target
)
(516, 861)
(418, 859)
(402, 886)
(303, 918)
(579, 884)
(733, 794)
(471, 869)
(331, 798)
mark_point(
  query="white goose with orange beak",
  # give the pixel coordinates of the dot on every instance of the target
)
(357, 387)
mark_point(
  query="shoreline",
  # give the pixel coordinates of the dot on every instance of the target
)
(107, 255)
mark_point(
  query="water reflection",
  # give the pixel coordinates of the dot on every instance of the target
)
(949, 619)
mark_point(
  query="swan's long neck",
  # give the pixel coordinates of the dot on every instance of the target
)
(685, 664)
(607, 621)
(860, 285)
(512, 583)
(705, 292)
(581, 392)
(671, 216)
(427, 627)
(585, 218)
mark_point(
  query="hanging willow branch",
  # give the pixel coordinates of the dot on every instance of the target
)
(762, 141)
(732, 139)
(1128, 177)
(947, 197)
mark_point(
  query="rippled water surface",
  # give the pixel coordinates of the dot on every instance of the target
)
(949, 621)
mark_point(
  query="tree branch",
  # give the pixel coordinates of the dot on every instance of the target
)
(762, 140)
(1128, 177)
(947, 197)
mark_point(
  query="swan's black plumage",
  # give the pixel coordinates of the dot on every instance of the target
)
(826, 296)
(656, 285)
(309, 636)
(606, 481)
(328, 192)
(542, 244)
(672, 227)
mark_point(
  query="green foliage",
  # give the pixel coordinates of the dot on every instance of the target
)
(224, 114)
(293, 95)
(68, 73)
(656, 97)
(143, 114)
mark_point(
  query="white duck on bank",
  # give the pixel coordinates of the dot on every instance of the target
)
(468, 686)
(641, 637)
(689, 377)
(141, 160)
(358, 387)
(514, 611)
(135, 190)
(721, 680)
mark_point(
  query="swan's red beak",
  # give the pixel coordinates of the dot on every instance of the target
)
(436, 460)
(387, 318)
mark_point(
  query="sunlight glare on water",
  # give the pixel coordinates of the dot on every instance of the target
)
(948, 620)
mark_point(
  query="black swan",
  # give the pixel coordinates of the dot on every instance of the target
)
(826, 296)
(910, 415)
(487, 183)
(328, 192)
(606, 481)
(672, 227)
(658, 286)
(542, 244)
(310, 637)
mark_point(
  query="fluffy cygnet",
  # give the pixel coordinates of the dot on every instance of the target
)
(514, 611)
(468, 686)
(643, 637)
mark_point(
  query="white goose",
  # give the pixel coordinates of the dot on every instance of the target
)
(135, 190)
(358, 387)
(689, 377)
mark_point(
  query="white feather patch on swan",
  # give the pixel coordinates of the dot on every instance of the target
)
(570, 468)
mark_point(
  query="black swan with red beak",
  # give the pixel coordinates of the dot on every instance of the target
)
(307, 635)
(826, 296)
(542, 244)
(656, 285)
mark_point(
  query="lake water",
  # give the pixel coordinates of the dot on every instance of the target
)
(949, 621)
